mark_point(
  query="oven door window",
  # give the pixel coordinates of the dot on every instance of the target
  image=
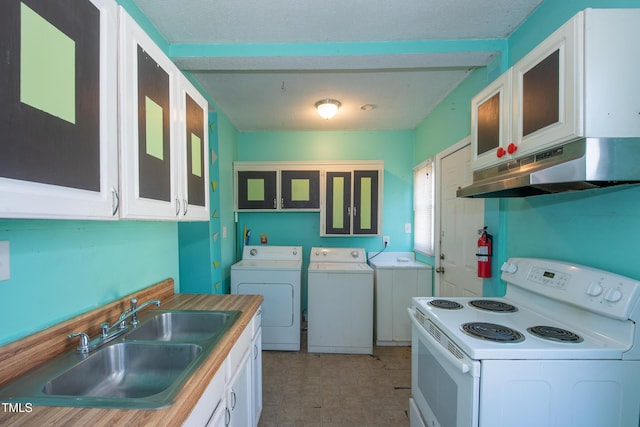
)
(445, 395)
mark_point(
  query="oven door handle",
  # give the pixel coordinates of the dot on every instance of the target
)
(459, 364)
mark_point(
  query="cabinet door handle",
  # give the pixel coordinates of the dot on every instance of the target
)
(348, 210)
(275, 203)
(227, 416)
(282, 202)
(355, 211)
(177, 206)
(233, 400)
(185, 207)
(115, 201)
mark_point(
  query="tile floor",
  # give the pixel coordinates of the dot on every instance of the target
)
(312, 389)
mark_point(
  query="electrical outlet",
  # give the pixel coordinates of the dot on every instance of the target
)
(385, 240)
(5, 271)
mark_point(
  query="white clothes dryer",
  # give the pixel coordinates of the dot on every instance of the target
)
(274, 272)
(340, 303)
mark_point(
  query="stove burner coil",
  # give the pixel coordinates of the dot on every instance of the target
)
(492, 332)
(493, 305)
(555, 334)
(445, 304)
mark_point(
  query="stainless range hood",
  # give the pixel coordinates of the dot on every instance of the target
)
(578, 165)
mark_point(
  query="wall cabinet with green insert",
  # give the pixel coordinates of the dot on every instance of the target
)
(58, 109)
(273, 186)
(348, 195)
(164, 138)
(352, 201)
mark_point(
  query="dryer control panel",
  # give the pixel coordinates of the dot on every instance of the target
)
(338, 255)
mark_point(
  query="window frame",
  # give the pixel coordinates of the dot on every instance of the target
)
(424, 210)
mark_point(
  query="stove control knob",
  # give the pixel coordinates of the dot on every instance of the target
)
(613, 295)
(509, 267)
(594, 289)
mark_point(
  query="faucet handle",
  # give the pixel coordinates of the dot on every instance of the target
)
(84, 341)
(105, 329)
(134, 303)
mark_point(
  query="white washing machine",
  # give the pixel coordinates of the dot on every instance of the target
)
(340, 303)
(274, 272)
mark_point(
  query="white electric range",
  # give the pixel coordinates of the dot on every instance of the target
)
(560, 349)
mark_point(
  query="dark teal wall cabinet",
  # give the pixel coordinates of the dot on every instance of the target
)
(300, 189)
(256, 190)
(348, 194)
(277, 186)
(352, 201)
(58, 114)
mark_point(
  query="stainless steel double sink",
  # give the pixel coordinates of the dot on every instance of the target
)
(143, 369)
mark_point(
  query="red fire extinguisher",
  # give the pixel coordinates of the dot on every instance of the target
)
(485, 249)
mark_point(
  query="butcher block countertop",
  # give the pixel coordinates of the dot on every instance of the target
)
(27, 353)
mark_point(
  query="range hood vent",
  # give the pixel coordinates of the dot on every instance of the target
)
(579, 165)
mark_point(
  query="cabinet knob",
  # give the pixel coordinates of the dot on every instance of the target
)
(500, 152)
(512, 148)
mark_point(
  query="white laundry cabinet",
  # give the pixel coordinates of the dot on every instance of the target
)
(398, 277)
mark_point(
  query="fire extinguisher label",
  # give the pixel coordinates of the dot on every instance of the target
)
(483, 253)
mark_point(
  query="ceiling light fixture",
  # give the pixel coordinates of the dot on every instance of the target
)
(327, 108)
(368, 107)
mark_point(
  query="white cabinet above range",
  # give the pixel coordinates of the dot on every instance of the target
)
(579, 82)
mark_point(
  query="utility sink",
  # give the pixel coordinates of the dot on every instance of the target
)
(125, 370)
(184, 326)
(143, 369)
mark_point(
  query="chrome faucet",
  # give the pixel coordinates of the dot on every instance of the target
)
(87, 345)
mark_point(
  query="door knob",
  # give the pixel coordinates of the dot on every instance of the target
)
(440, 270)
(441, 256)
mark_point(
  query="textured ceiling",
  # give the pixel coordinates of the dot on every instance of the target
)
(266, 62)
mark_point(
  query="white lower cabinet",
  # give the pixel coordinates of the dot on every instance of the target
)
(234, 395)
(211, 403)
(239, 394)
(256, 375)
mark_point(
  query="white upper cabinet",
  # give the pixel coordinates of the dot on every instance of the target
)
(163, 134)
(58, 151)
(491, 118)
(579, 82)
(193, 143)
(547, 90)
(149, 150)
(67, 118)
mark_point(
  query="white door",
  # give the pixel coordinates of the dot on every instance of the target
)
(458, 225)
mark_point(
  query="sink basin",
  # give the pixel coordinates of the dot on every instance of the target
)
(184, 326)
(143, 369)
(127, 370)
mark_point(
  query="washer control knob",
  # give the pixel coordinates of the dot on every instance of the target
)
(613, 295)
(354, 254)
(295, 252)
(509, 267)
(253, 252)
(594, 289)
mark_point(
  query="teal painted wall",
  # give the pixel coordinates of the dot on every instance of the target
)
(227, 154)
(592, 227)
(595, 227)
(60, 269)
(303, 229)
(63, 268)
(200, 248)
